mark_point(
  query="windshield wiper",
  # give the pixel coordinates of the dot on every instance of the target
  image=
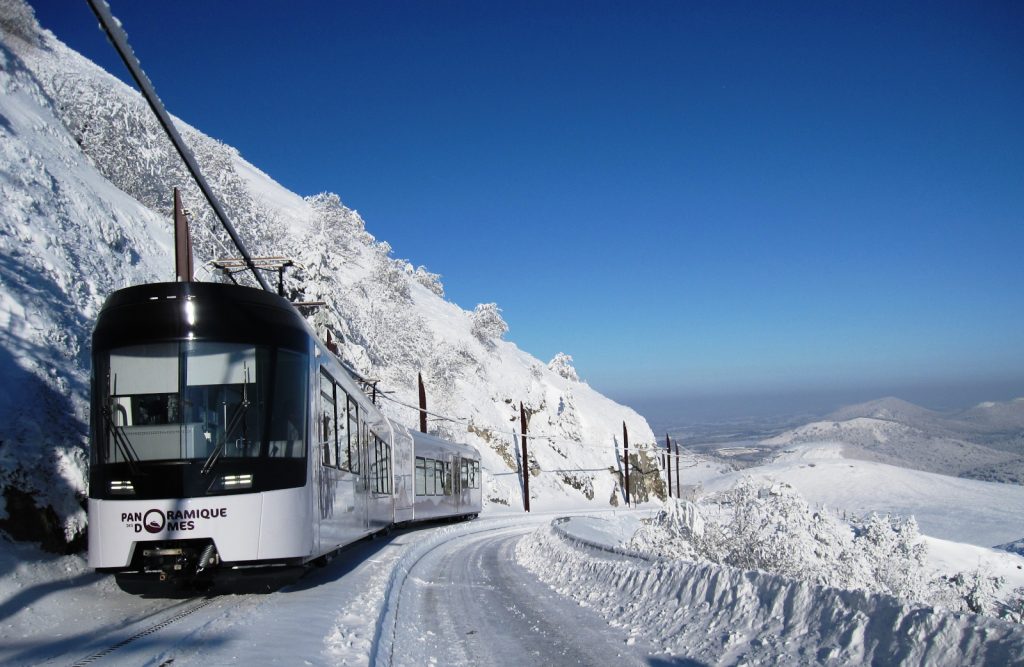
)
(121, 441)
(229, 428)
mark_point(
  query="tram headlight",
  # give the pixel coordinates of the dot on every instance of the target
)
(235, 482)
(122, 487)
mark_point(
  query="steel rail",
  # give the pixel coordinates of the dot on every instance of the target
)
(156, 627)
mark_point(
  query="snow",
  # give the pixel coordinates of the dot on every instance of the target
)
(717, 615)
(83, 187)
(951, 508)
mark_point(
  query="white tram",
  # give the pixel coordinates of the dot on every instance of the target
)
(227, 437)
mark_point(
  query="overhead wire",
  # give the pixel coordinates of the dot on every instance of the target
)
(644, 447)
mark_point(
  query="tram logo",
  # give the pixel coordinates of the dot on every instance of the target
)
(155, 521)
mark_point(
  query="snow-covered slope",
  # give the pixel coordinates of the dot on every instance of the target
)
(67, 238)
(86, 178)
(985, 442)
(951, 508)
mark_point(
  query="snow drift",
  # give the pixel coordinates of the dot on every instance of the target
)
(724, 615)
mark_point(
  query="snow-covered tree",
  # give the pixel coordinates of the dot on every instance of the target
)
(673, 532)
(432, 281)
(896, 555)
(18, 19)
(488, 324)
(770, 527)
(562, 365)
(390, 274)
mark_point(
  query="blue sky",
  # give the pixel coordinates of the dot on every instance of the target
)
(692, 199)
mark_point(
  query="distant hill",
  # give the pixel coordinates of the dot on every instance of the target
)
(889, 409)
(985, 442)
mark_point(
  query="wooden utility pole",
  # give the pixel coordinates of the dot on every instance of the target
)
(625, 441)
(526, 460)
(423, 404)
(668, 459)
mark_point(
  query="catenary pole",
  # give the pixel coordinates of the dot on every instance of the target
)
(668, 459)
(625, 441)
(526, 465)
(183, 269)
(677, 470)
(423, 403)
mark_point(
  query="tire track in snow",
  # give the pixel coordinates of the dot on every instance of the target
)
(386, 630)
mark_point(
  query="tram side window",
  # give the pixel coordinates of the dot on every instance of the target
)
(434, 478)
(464, 474)
(421, 476)
(328, 421)
(344, 460)
(438, 478)
(381, 468)
(474, 474)
(353, 435)
(286, 433)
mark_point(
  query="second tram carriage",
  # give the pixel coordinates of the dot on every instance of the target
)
(226, 436)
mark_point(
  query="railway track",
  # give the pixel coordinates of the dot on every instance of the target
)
(176, 611)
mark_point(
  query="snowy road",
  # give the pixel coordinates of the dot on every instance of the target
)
(443, 594)
(504, 589)
(468, 602)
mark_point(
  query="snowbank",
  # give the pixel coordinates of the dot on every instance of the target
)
(723, 615)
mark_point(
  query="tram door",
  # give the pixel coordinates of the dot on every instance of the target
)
(452, 464)
(342, 506)
(462, 487)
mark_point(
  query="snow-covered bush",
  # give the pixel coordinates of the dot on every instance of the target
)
(562, 364)
(18, 19)
(432, 281)
(1012, 609)
(673, 532)
(976, 592)
(488, 324)
(892, 548)
(772, 528)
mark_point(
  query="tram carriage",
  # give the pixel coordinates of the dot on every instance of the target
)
(227, 437)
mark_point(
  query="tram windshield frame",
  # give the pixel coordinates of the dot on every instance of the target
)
(190, 418)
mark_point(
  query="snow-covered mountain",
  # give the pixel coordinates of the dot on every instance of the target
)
(985, 442)
(86, 178)
(889, 409)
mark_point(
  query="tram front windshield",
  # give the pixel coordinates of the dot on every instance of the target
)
(205, 403)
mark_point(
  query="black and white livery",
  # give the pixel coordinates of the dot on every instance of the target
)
(226, 436)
